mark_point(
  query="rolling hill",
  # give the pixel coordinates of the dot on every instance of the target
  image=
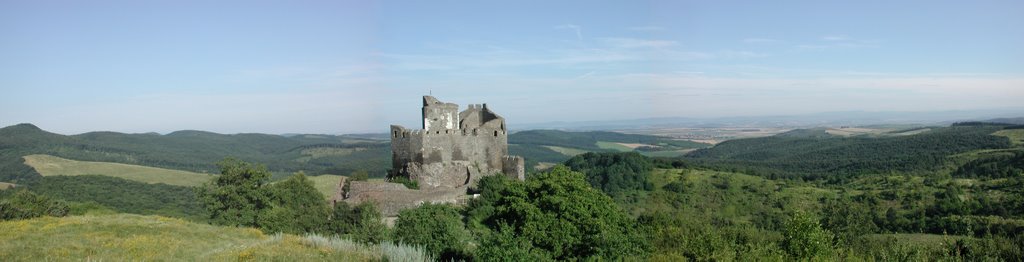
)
(198, 151)
(194, 151)
(811, 155)
(48, 165)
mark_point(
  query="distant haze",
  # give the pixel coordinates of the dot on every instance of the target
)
(359, 66)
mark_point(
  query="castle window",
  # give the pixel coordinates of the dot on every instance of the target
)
(495, 133)
(396, 133)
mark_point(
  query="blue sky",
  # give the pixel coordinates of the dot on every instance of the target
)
(358, 66)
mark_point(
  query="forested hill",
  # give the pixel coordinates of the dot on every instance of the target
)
(197, 151)
(191, 150)
(817, 157)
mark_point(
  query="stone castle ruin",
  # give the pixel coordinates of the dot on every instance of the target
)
(453, 149)
(449, 155)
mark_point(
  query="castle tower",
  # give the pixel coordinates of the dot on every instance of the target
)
(438, 115)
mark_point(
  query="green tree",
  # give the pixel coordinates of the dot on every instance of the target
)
(362, 222)
(359, 175)
(295, 207)
(559, 216)
(848, 219)
(237, 196)
(614, 173)
(25, 204)
(804, 238)
(436, 227)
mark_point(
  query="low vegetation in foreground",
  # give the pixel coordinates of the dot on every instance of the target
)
(120, 236)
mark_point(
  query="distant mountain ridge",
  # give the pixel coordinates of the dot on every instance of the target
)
(1008, 120)
(849, 118)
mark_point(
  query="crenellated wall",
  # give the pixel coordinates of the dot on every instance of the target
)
(514, 167)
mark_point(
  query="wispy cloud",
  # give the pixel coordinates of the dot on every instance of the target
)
(835, 38)
(839, 41)
(588, 74)
(574, 28)
(756, 40)
(733, 54)
(637, 43)
(646, 28)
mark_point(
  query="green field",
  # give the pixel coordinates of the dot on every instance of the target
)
(567, 151)
(54, 166)
(673, 153)
(48, 165)
(613, 146)
(326, 184)
(314, 153)
(124, 237)
(1016, 136)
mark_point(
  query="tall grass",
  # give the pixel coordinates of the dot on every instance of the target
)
(388, 250)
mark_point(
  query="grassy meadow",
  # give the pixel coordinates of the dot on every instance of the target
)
(566, 151)
(48, 165)
(326, 184)
(124, 236)
(613, 146)
(54, 166)
(1016, 136)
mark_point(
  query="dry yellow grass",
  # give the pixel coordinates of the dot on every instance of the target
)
(48, 165)
(4, 185)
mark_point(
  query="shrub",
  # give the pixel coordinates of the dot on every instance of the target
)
(804, 238)
(295, 207)
(237, 196)
(363, 222)
(24, 204)
(436, 227)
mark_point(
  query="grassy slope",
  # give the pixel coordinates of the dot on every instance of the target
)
(55, 166)
(1016, 136)
(792, 154)
(48, 165)
(613, 146)
(566, 151)
(326, 184)
(134, 237)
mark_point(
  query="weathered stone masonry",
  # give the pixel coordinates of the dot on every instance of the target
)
(451, 153)
(454, 148)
